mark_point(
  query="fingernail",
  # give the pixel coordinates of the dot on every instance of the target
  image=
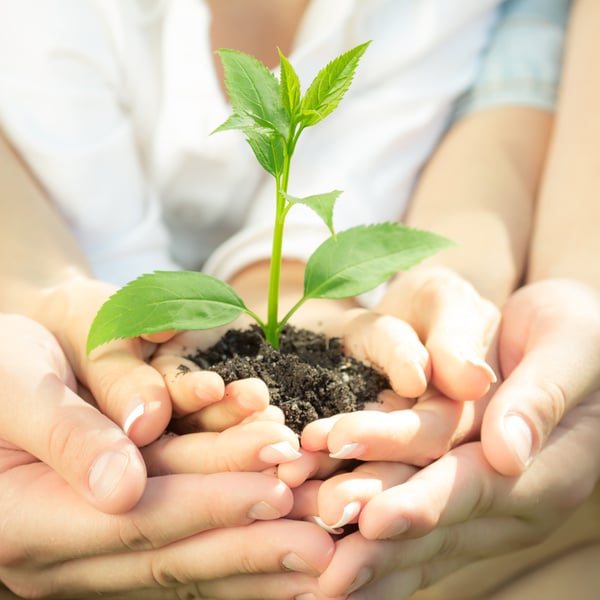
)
(481, 364)
(307, 596)
(349, 451)
(364, 576)
(133, 416)
(292, 562)
(350, 511)
(279, 452)
(521, 439)
(140, 408)
(396, 528)
(263, 511)
(107, 472)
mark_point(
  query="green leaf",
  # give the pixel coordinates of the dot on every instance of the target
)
(329, 86)
(165, 300)
(289, 86)
(242, 122)
(362, 257)
(268, 149)
(253, 90)
(322, 204)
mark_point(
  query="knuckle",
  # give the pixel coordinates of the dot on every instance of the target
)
(163, 576)
(133, 538)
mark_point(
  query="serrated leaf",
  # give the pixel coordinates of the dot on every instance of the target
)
(165, 300)
(361, 258)
(329, 86)
(241, 122)
(253, 90)
(289, 86)
(322, 204)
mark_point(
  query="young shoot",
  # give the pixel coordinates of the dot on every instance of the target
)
(272, 114)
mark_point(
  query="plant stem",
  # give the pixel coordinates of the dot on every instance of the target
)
(273, 327)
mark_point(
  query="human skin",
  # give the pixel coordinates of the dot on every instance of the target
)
(460, 508)
(56, 543)
(44, 276)
(549, 347)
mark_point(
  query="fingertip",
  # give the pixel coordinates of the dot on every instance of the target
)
(117, 479)
(146, 420)
(508, 442)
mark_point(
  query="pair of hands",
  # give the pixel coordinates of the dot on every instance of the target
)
(156, 545)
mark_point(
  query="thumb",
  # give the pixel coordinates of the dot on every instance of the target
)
(549, 347)
(43, 416)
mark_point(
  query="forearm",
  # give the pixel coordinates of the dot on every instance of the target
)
(566, 242)
(478, 189)
(38, 252)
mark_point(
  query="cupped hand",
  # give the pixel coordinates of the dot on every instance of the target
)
(192, 534)
(459, 510)
(44, 419)
(447, 331)
(549, 353)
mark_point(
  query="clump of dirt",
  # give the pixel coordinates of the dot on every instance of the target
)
(309, 376)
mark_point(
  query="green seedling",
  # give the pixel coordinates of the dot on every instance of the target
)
(272, 114)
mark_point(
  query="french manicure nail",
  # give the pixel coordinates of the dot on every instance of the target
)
(351, 510)
(481, 364)
(353, 450)
(520, 436)
(133, 416)
(279, 452)
(106, 473)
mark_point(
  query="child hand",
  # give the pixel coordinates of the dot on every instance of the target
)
(201, 400)
(456, 328)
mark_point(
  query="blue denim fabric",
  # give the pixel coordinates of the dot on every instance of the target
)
(522, 63)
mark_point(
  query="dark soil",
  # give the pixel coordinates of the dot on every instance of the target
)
(309, 377)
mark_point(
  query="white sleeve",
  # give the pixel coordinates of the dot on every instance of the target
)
(64, 104)
(373, 146)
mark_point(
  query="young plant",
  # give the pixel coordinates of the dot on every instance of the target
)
(272, 114)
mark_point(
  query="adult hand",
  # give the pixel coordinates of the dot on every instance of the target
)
(460, 510)
(549, 348)
(56, 542)
(549, 352)
(43, 417)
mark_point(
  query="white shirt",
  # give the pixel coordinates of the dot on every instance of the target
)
(112, 102)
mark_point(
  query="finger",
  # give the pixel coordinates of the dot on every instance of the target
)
(549, 346)
(238, 587)
(310, 465)
(391, 346)
(285, 546)
(241, 399)
(160, 337)
(455, 323)
(44, 416)
(125, 388)
(416, 436)
(63, 526)
(191, 389)
(128, 390)
(341, 498)
(315, 435)
(386, 570)
(249, 447)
